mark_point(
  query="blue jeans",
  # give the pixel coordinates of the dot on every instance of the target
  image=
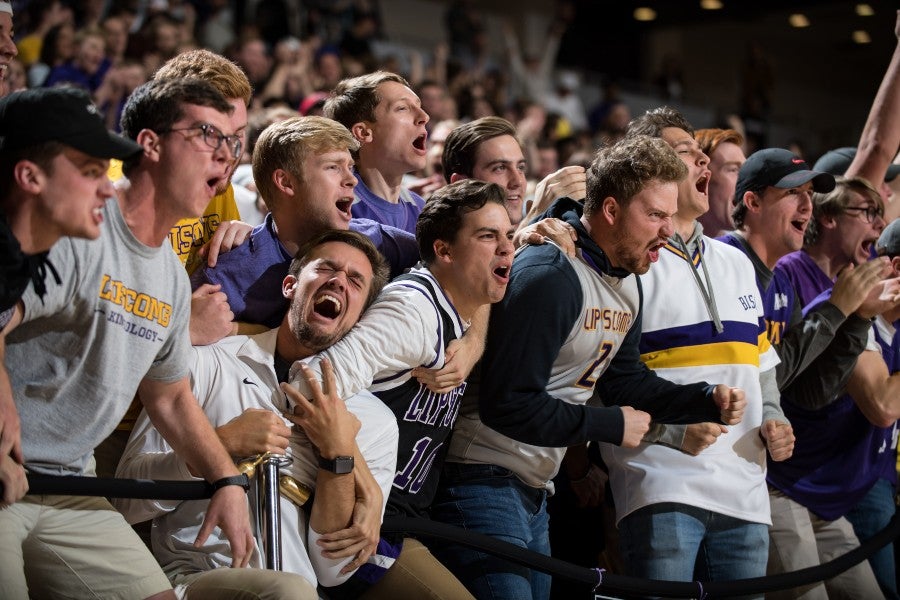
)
(676, 542)
(492, 500)
(868, 517)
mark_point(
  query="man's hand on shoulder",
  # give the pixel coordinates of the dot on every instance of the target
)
(556, 230)
(568, 181)
(228, 236)
(458, 364)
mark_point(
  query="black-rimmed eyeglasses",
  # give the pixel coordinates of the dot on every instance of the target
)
(869, 212)
(214, 138)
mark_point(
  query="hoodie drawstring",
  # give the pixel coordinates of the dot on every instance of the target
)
(706, 291)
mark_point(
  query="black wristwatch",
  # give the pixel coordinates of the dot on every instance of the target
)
(240, 480)
(339, 465)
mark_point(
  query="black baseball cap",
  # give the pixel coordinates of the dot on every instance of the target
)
(779, 168)
(64, 115)
(837, 162)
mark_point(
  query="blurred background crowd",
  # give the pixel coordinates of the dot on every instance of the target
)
(568, 73)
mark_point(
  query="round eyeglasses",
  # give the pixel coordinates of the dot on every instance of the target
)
(214, 138)
(869, 213)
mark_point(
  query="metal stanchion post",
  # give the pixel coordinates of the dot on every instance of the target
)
(269, 506)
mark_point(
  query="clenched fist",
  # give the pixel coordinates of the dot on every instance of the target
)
(731, 402)
(637, 422)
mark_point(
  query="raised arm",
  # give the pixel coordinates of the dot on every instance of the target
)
(881, 134)
(395, 334)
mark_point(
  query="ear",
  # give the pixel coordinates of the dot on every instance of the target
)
(610, 210)
(442, 252)
(828, 221)
(362, 132)
(457, 177)
(895, 264)
(283, 181)
(288, 285)
(752, 201)
(149, 140)
(29, 177)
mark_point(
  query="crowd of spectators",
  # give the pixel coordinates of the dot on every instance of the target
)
(327, 130)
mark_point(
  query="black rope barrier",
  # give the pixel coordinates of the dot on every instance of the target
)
(140, 489)
(633, 586)
(146, 489)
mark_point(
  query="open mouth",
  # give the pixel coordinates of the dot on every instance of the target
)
(703, 183)
(343, 205)
(799, 225)
(867, 246)
(327, 306)
(419, 142)
(502, 272)
(213, 183)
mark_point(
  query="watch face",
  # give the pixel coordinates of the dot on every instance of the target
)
(343, 464)
(339, 465)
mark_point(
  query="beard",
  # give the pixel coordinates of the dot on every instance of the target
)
(627, 255)
(310, 337)
(316, 341)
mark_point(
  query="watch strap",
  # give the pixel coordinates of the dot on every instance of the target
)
(239, 480)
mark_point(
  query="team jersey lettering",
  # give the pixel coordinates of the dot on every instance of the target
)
(748, 301)
(618, 321)
(428, 407)
(773, 331)
(136, 303)
(780, 301)
(588, 379)
(413, 475)
(183, 237)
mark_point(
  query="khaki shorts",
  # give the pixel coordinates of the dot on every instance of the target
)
(74, 547)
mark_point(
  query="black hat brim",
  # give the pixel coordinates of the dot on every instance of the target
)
(103, 144)
(822, 182)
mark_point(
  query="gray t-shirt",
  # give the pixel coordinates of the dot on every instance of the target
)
(121, 314)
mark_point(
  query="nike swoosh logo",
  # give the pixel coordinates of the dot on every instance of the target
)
(249, 382)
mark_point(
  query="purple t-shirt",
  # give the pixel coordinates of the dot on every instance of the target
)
(838, 455)
(402, 215)
(805, 275)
